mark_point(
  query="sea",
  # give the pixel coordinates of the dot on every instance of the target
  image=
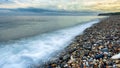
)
(28, 41)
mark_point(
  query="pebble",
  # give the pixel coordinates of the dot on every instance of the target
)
(94, 48)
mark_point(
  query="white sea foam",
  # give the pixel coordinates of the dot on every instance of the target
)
(31, 51)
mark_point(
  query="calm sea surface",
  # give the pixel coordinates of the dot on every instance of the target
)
(16, 27)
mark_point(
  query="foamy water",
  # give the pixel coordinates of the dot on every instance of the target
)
(25, 53)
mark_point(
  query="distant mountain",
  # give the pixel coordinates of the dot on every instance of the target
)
(39, 11)
(109, 14)
(36, 10)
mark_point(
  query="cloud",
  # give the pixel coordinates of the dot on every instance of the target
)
(76, 5)
(50, 4)
(111, 5)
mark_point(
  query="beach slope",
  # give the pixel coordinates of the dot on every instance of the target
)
(94, 48)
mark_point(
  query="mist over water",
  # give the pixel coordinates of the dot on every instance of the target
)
(31, 52)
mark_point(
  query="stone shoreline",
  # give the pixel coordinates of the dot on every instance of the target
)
(93, 49)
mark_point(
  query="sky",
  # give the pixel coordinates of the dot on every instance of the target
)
(68, 5)
(59, 4)
(47, 4)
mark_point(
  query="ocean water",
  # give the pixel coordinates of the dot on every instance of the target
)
(16, 27)
(28, 42)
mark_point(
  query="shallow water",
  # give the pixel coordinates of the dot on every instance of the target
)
(32, 51)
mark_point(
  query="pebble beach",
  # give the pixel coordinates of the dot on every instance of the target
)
(93, 49)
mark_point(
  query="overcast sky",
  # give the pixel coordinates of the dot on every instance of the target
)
(69, 5)
(53, 4)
